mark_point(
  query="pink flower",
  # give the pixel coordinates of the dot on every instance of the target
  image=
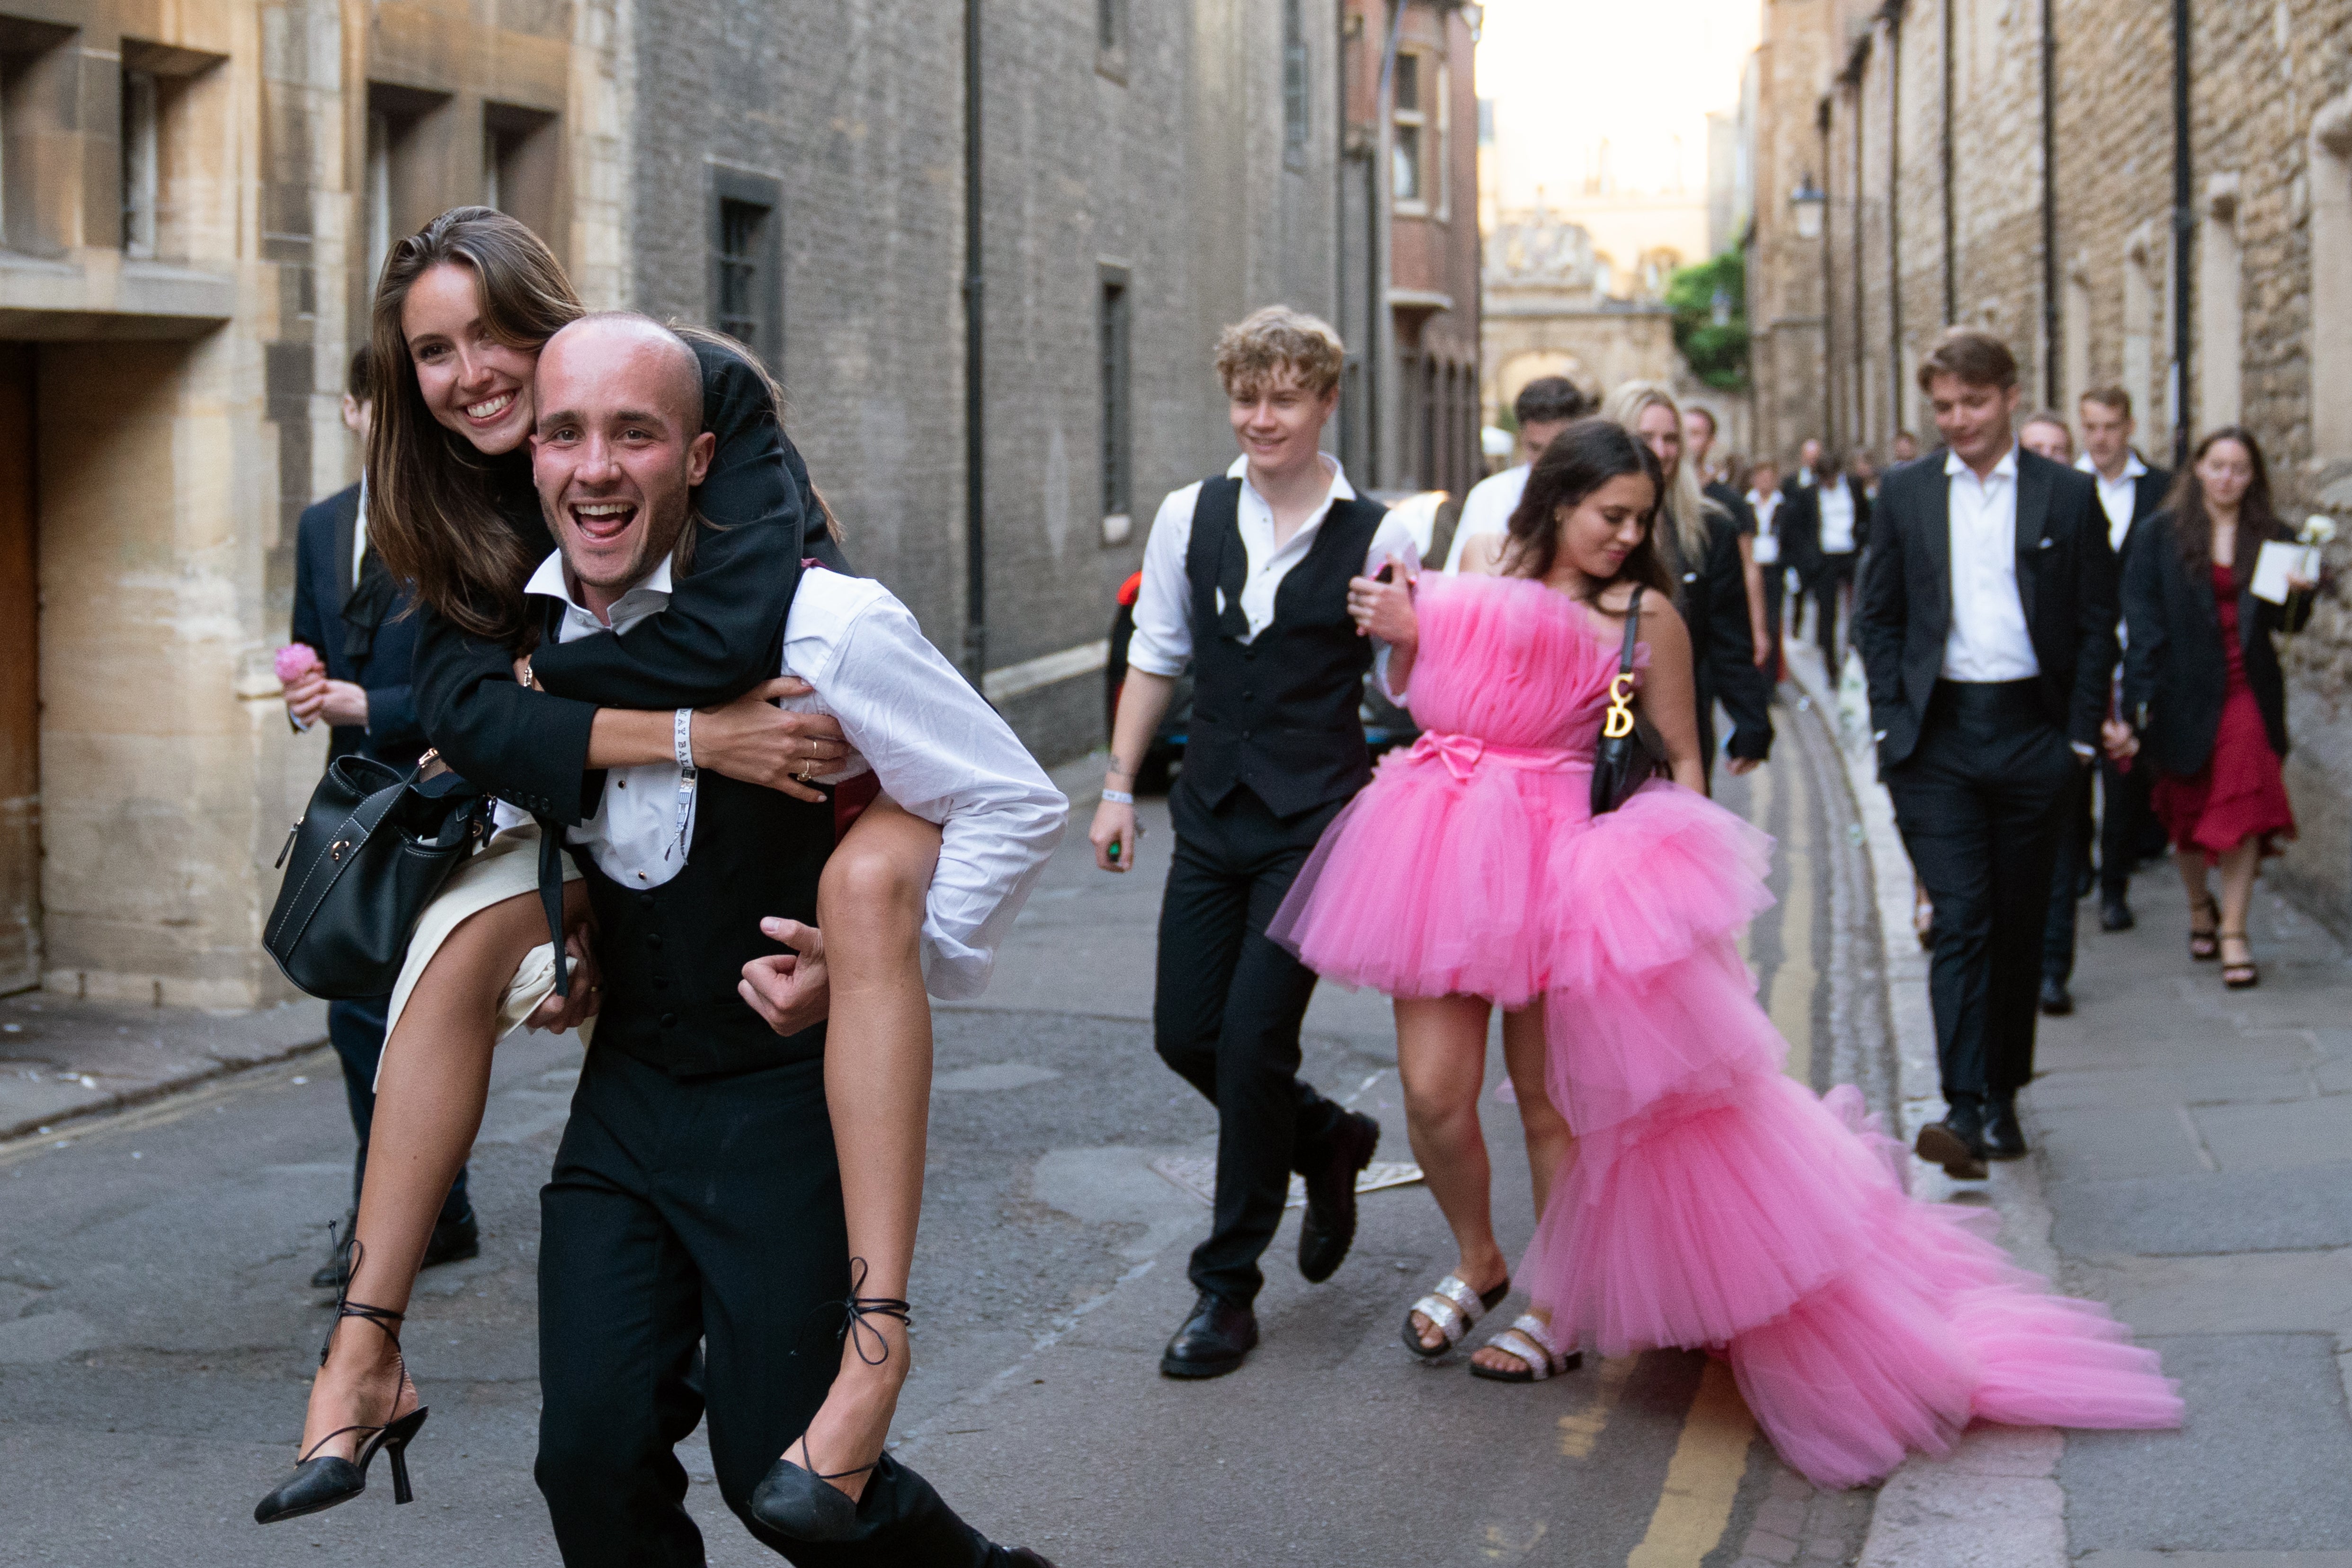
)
(295, 660)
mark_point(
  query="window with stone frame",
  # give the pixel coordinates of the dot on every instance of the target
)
(141, 164)
(1417, 131)
(1295, 98)
(1116, 337)
(747, 262)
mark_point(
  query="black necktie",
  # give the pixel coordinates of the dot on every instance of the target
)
(1233, 571)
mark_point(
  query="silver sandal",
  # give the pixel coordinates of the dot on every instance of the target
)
(1450, 1308)
(1529, 1339)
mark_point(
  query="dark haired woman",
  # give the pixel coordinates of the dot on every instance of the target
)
(2202, 678)
(460, 315)
(1711, 1201)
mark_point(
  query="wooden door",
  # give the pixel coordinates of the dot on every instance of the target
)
(20, 703)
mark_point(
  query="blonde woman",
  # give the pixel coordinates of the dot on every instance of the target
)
(1699, 542)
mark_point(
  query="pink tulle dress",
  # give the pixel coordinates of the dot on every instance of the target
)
(1714, 1202)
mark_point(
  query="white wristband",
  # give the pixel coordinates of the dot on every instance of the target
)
(681, 737)
(1118, 797)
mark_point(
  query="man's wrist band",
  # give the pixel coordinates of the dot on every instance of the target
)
(681, 733)
(1118, 797)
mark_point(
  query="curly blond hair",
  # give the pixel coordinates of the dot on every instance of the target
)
(1279, 338)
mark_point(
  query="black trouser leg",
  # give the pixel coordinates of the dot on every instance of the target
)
(1836, 573)
(707, 1209)
(2125, 815)
(1775, 591)
(1226, 1015)
(2065, 877)
(1978, 802)
(356, 1031)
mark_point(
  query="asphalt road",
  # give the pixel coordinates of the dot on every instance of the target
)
(156, 1335)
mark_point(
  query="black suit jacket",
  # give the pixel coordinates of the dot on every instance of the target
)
(720, 635)
(1723, 640)
(363, 635)
(2065, 581)
(1801, 526)
(2176, 671)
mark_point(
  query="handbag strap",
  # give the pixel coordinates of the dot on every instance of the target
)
(1632, 624)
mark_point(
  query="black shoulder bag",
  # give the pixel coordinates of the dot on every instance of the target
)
(1630, 751)
(373, 849)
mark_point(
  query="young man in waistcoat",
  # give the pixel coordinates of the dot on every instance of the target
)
(696, 1197)
(1245, 578)
(349, 611)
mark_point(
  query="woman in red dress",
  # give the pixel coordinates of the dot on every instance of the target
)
(2202, 679)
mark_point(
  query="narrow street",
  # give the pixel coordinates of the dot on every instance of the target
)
(155, 1334)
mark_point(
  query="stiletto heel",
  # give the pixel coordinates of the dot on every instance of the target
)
(320, 1481)
(799, 1501)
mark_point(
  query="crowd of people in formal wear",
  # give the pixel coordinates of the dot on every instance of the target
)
(746, 817)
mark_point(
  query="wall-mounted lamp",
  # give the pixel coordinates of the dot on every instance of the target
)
(1808, 201)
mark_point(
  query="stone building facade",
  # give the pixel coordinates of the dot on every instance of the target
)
(195, 198)
(2021, 167)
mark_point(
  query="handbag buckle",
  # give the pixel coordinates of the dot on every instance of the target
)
(335, 850)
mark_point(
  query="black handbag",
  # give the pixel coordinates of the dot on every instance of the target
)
(372, 850)
(1631, 752)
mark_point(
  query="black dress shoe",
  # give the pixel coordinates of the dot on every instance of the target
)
(2004, 1138)
(2057, 1001)
(454, 1242)
(1329, 1227)
(1956, 1143)
(1213, 1341)
(2114, 914)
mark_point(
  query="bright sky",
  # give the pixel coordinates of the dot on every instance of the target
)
(1567, 73)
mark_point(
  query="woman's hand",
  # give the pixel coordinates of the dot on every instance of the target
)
(1384, 610)
(755, 741)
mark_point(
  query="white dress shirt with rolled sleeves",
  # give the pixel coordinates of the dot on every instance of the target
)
(1989, 639)
(1162, 644)
(938, 750)
(1487, 509)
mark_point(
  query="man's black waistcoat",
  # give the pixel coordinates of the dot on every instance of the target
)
(672, 955)
(1280, 713)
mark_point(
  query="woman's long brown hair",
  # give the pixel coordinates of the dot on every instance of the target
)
(431, 513)
(2192, 525)
(1580, 460)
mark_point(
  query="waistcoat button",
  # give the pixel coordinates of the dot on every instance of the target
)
(669, 1021)
(653, 939)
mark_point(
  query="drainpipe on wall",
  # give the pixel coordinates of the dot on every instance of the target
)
(1829, 288)
(1380, 337)
(975, 392)
(1895, 209)
(1951, 197)
(2184, 232)
(2052, 394)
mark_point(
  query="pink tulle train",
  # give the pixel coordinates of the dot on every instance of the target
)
(1713, 1202)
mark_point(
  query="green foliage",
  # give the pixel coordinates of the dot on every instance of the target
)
(1717, 353)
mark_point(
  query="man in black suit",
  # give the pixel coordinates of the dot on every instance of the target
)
(2130, 492)
(1828, 523)
(349, 611)
(1987, 630)
(1724, 620)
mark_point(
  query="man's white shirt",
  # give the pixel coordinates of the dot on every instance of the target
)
(1836, 503)
(2117, 496)
(1767, 507)
(938, 750)
(1989, 639)
(1487, 509)
(1162, 644)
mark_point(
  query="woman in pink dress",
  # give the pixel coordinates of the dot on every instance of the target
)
(1709, 1200)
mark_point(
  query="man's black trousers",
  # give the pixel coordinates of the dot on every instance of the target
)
(2129, 830)
(699, 1212)
(1832, 579)
(356, 1031)
(1226, 1015)
(2066, 869)
(1980, 800)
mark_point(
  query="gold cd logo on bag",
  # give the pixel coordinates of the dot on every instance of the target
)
(1619, 724)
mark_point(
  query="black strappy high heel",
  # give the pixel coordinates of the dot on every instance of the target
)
(322, 1481)
(799, 1501)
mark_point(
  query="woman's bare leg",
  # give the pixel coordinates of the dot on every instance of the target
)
(1441, 1063)
(877, 1092)
(429, 1098)
(2238, 868)
(1551, 1146)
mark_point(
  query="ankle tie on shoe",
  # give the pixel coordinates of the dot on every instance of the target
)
(856, 1308)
